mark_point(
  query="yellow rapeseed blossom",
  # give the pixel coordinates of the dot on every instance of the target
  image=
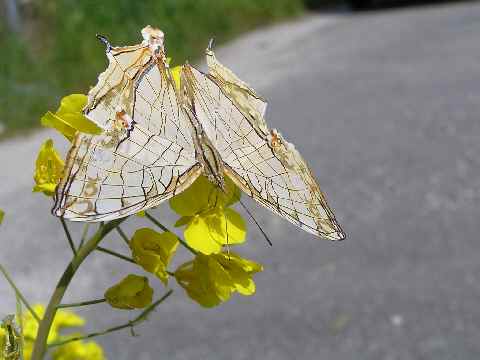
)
(176, 75)
(69, 117)
(48, 169)
(211, 279)
(207, 232)
(210, 224)
(76, 350)
(133, 292)
(153, 251)
(64, 319)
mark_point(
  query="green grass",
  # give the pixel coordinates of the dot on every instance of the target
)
(58, 54)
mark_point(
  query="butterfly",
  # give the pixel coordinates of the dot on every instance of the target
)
(159, 137)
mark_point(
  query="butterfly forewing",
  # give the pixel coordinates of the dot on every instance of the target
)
(145, 154)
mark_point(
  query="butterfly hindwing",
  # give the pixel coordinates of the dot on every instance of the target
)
(260, 161)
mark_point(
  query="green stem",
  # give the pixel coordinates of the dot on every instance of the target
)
(86, 227)
(20, 324)
(83, 303)
(113, 253)
(139, 319)
(123, 236)
(40, 346)
(19, 294)
(181, 241)
(69, 237)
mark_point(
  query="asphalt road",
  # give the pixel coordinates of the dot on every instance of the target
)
(385, 106)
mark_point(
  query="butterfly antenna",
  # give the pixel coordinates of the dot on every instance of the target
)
(211, 43)
(256, 222)
(104, 41)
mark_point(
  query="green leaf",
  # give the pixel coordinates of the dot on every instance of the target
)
(2, 215)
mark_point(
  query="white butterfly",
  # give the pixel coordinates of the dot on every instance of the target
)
(157, 140)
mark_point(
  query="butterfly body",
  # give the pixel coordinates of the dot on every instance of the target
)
(159, 137)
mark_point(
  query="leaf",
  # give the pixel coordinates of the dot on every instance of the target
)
(2, 215)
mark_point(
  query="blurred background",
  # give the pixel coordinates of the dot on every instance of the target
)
(382, 99)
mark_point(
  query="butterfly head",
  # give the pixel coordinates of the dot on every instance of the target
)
(153, 37)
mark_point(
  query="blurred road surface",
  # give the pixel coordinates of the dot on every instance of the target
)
(386, 108)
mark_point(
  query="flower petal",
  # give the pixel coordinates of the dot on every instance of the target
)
(199, 237)
(153, 251)
(69, 117)
(202, 196)
(133, 292)
(48, 169)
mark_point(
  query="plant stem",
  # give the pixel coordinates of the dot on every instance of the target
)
(83, 303)
(20, 324)
(181, 241)
(139, 319)
(40, 346)
(84, 234)
(113, 253)
(19, 294)
(69, 237)
(123, 236)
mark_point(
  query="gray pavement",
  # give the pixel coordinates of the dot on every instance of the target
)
(385, 106)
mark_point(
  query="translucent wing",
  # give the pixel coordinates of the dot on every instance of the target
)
(103, 182)
(252, 106)
(145, 154)
(259, 160)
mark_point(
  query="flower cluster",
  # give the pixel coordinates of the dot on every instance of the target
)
(211, 227)
(64, 320)
(211, 279)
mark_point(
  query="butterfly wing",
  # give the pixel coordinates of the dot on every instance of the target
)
(145, 154)
(259, 160)
(103, 183)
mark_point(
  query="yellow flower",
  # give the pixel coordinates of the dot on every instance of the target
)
(210, 223)
(153, 251)
(211, 279)
(79, 350)
(202, 195)
(207, 232)
(176, 71)
(2, 215)
(69, 117)
(48, 169)
(63, 319)
(133, 292)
